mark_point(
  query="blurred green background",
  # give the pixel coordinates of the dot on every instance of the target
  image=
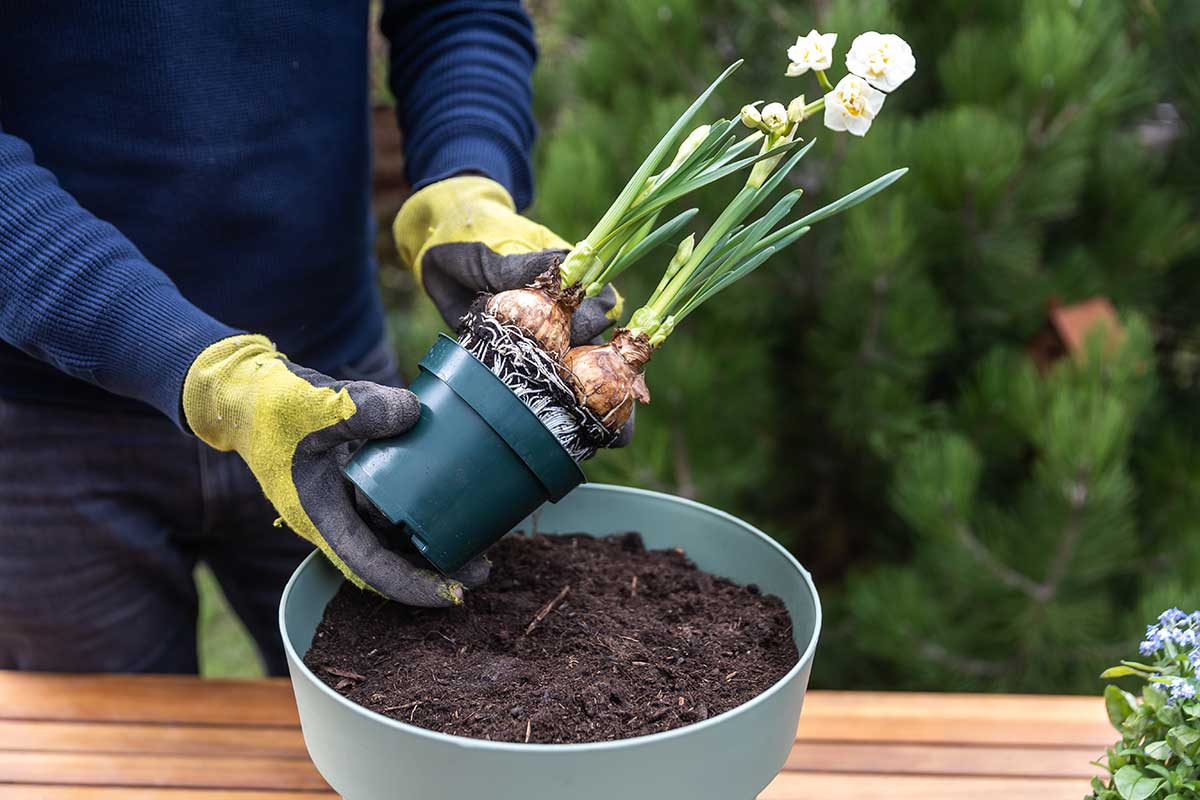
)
(890, 398)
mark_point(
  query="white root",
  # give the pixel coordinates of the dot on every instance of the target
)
(538, 379)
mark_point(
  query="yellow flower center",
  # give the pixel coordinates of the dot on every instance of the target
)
(878, 63)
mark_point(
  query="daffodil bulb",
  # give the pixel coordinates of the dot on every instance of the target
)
(814, 51)
(852, 105)
(883, 59)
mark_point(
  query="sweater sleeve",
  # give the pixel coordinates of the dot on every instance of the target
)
(76, 293)
(461, 75)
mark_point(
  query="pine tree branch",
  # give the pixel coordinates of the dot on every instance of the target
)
(1067, 542)
(1001, 571)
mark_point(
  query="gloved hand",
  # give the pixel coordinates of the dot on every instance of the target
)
(463, 235)
(294, 428)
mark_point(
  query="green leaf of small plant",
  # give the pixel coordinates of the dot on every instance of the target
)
(1153, 697)
(1132, 784)
(1118, 672)
(1183, 739)
(1141, 666)
(1119, 705)
(1169, 716)
(1159, 751)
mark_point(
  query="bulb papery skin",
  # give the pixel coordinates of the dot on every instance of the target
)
(534, 311)
(608, 378)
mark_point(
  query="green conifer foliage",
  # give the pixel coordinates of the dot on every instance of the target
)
(867, 397)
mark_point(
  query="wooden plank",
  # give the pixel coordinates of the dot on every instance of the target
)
(919, 718)
(826, 786)
(151, 739)
(146, 698)
(44, 792)
(927, 759)
(117, 737)
(197, 772)
(837, 716)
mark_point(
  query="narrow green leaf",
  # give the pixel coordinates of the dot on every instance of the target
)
(724, 281)
(857, 196)
(655, 157)
(1118, 672)
(657, 201)
(652, 240)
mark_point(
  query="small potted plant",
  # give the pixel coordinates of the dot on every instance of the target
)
(1158, 756)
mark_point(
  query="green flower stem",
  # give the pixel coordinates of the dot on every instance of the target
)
(660, 304)
(825, 84)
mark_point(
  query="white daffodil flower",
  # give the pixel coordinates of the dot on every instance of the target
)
(774, 118)
(883, 59)
(852, 105)
(814, 51)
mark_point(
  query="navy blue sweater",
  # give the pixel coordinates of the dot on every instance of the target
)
(174, 172)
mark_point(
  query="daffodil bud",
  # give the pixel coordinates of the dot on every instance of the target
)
(693, 140)
(795, 110)
(750, 116)
(775, 119)
(684, 251)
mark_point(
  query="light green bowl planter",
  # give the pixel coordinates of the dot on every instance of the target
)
(732, 756)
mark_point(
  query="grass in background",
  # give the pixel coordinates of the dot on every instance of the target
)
(226, 649)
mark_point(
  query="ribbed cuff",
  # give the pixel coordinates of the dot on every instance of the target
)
(482, 153)
(152, 358)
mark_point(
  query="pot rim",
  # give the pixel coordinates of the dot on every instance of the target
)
(469, 743)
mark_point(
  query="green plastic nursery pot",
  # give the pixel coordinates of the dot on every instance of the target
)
(475, 464)
(731, 756)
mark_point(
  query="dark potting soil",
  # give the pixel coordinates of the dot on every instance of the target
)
(573, 639)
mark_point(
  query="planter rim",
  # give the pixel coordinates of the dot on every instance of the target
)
(469, 743)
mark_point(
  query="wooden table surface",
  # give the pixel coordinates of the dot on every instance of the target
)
(65, 737)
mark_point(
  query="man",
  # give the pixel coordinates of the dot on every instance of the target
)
(184, 199)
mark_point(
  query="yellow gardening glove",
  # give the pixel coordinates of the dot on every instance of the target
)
(463, 236)
(293, 427)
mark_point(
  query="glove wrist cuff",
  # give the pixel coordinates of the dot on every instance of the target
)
(214, 389)
(451, 201)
